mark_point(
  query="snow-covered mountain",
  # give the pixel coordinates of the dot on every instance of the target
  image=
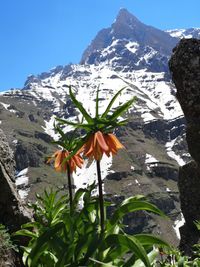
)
(128, 53)
(185, 33)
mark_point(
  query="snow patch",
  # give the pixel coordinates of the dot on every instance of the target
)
(87, 174)
(6, 106)
(169, 145)
(136, 181)
(177, 225)
(132, 47)
(150, 159)
(21, 182)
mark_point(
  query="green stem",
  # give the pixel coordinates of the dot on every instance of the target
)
(69, 186)
(101, 204)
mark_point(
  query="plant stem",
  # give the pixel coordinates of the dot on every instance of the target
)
(69, 186)
(101, 204)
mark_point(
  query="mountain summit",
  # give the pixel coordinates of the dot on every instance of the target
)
(128, 36)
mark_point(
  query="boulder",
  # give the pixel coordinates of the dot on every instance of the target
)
(185, 68)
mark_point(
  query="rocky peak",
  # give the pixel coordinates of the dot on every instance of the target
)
(125, 17)
(129, 37)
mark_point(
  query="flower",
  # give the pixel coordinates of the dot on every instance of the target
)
(62, 166)
(99, 143)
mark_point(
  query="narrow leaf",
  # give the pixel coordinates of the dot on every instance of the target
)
(132, 206)
(122, 109)
(111, 103)
(97, 103)
(80, 107)
(132, 245)
(149, 239)
(75, 124)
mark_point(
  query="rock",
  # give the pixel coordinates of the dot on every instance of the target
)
(32, 118)
(164, 130)
(27, 154)
(185, 68)
(165, 171)
(12, 211)
(117, 176)
(163, 201)
(6, 156)
(45, 137)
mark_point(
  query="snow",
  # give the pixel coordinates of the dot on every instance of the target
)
(22, 183)
(136, 181)
(87, 174)
(169, 145)
(49, 128)
(183, 33)
(178, 33)
(150, 159)
(132, 47)
(22, 172)
(6, 106)
(111, 48)
(178, 224)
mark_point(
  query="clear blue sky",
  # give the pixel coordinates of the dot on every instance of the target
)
(36, 35)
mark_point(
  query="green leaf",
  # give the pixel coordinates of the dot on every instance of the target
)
(25, 232)
(133, 198)
(75, 124)
(80, 107)
(131, 245)
(59, 130)
(151, 256)
(100, 263)
(77, 197)
(132, 206)
(149, 239)
(122, 109)
(40, 244)
(78, 146)
(97, 103)
(111, 103)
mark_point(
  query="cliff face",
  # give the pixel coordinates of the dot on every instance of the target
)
(185, 69)
(12, 211)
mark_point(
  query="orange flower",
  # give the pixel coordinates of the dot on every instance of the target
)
(73, 162)
(100, 143)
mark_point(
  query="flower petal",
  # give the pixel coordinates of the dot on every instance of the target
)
(115, 141)
(101, 141)
(58, 159)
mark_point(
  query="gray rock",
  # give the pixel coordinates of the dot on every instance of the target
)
(185, 68)
(12, 211)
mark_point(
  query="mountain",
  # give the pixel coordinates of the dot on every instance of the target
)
(129, 53)
(185, 33)
(130, 44)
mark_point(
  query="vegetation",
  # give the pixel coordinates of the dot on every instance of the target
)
(6, 246)
(75, 230)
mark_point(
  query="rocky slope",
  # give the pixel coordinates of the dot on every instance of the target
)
(129, 53)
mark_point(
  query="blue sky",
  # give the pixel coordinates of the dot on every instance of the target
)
(36, 35)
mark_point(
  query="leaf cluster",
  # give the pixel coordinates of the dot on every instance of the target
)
(63, 237)
(105, 122)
